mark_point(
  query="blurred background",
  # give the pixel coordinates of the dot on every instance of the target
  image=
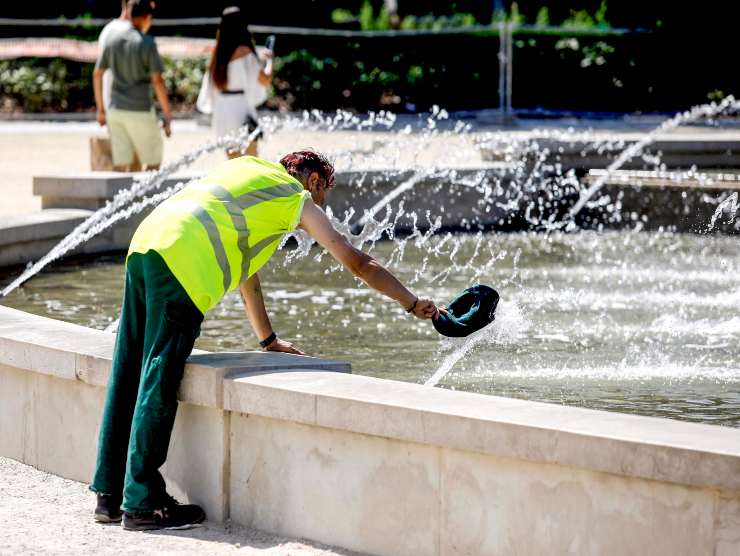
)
(592, 57)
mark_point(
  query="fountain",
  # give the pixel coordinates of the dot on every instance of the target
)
(624, 315)
(596, 279)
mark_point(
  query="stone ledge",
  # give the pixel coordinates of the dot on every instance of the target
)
(645, 447)
(74, 352)
(94, 185)
(249, 383)
(46, 224)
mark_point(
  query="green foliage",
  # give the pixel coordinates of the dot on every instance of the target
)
(366, 16)
(34, 87)
(543, 17)
(367, 19)
(595, 54)
(341, 16)
(582, 19)
(183, 78)
(592, 54)
(436, 23)
(60, 85)
(414, 74)
(382, 22)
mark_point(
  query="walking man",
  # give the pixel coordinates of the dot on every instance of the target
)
(210, 238)
(131, 55)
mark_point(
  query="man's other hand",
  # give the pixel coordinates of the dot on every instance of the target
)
(286, 347)
(100, 117)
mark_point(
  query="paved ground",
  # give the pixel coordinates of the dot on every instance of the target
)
(45, 514)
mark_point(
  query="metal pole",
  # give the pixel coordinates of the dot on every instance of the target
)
(502, 67)
(509, 65)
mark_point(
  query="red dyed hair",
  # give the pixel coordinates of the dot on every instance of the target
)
(301, 164)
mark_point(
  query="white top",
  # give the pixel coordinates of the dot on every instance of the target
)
(110, 27)
(242, 74)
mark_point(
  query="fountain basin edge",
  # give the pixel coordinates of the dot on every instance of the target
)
(289, 445)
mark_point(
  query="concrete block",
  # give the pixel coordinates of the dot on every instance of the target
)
(352, 405)
(48, 422)
(363, 493)
(497, 506)
(91, 189)
(24, 354)
(256, 395)
(85, 185)
(204, 384)
(39, 226)
(462, 190)
(197, 467)
(727, 524)
(93, 367)
(17, 418)
(67, 422)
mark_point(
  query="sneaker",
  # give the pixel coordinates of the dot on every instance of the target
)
(108, 509)
(172, 515)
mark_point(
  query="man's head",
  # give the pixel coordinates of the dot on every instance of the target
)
(140, 12)
(313, 170)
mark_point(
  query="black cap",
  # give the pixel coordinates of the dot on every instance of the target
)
(470, 311)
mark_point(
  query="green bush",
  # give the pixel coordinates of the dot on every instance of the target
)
(183, 79)
(581, 18)
(34, 87)
(61, 85)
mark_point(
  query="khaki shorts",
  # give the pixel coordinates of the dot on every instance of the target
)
(133, 131)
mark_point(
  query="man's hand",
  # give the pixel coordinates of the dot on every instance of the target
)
(425, 309)
(166, 122)
(281, 345)
(100, 117)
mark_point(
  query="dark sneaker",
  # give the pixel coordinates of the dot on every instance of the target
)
(108, 509)
(171, 516)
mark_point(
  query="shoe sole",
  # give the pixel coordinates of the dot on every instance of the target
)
(154, 527)
(102, 518)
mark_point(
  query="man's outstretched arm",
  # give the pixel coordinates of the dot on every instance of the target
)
(254, 305)
(315, 222)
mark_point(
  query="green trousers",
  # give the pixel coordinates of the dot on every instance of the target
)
(158, 327)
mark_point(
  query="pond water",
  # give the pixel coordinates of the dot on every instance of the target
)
(633, 322)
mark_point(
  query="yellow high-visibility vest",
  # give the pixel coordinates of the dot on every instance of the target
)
(224, 227)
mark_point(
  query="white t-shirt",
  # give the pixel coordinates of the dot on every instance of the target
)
(114, 25)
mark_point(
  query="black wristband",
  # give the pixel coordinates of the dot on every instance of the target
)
(267, 341)
(413, 306)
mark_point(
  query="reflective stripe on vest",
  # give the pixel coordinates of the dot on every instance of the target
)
(214, 237)
(236, 206)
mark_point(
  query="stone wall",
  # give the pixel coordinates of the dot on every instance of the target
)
(287, 444)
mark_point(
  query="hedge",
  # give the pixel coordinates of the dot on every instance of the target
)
(613, 73)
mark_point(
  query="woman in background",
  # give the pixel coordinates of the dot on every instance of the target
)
(236, 81)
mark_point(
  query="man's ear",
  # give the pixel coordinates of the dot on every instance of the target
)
(313, 180)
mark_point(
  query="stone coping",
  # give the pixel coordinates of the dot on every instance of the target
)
(46, 224)
(95, 185)
(712, 182)
(74, 352)
(644, 447)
